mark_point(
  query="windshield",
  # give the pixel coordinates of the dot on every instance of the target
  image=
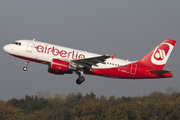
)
(17, 43)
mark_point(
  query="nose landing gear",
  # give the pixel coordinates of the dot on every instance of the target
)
(25, 68)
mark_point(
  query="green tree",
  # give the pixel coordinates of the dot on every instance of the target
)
(90, 111)
(118, 112)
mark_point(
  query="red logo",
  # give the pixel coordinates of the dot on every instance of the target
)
(63, 53)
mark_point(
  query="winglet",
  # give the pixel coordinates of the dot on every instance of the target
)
(112, 56)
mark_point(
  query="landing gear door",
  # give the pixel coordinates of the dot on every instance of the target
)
(30, 46)
(133, 69)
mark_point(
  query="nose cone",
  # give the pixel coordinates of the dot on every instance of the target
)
(6, 48)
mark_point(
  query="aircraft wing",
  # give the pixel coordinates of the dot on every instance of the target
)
(88, 62)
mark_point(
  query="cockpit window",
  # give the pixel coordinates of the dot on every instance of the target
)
(17, 43)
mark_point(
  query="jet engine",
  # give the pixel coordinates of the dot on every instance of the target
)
(60, 67)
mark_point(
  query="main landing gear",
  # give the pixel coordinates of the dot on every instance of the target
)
(25, 68)
(81, 78)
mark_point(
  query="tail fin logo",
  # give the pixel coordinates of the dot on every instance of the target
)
(161, 54)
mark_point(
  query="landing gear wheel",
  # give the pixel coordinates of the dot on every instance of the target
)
(25, 68)
(80, 80)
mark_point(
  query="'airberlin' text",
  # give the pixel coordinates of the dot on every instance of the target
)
(56, 52)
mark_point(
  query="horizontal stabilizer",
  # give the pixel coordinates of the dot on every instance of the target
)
(159, 72)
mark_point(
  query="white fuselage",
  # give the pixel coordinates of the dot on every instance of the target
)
(45, 52)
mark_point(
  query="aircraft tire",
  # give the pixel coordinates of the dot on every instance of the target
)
(80, 80)
(25, 68)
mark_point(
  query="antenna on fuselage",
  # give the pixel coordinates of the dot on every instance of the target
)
(34, 39)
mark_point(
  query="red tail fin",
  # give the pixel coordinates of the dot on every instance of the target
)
(158, 57)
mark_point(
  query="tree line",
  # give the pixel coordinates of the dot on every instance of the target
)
(155, 106)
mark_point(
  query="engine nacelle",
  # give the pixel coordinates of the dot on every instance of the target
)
(60, 67)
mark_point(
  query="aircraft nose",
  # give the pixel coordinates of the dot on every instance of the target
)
(5, 48)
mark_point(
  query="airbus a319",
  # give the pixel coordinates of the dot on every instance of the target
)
(63, 60)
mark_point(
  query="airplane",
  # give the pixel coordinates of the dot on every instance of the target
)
(62, 60)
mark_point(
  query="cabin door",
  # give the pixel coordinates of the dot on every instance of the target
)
(133, 69)
(30, 46)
